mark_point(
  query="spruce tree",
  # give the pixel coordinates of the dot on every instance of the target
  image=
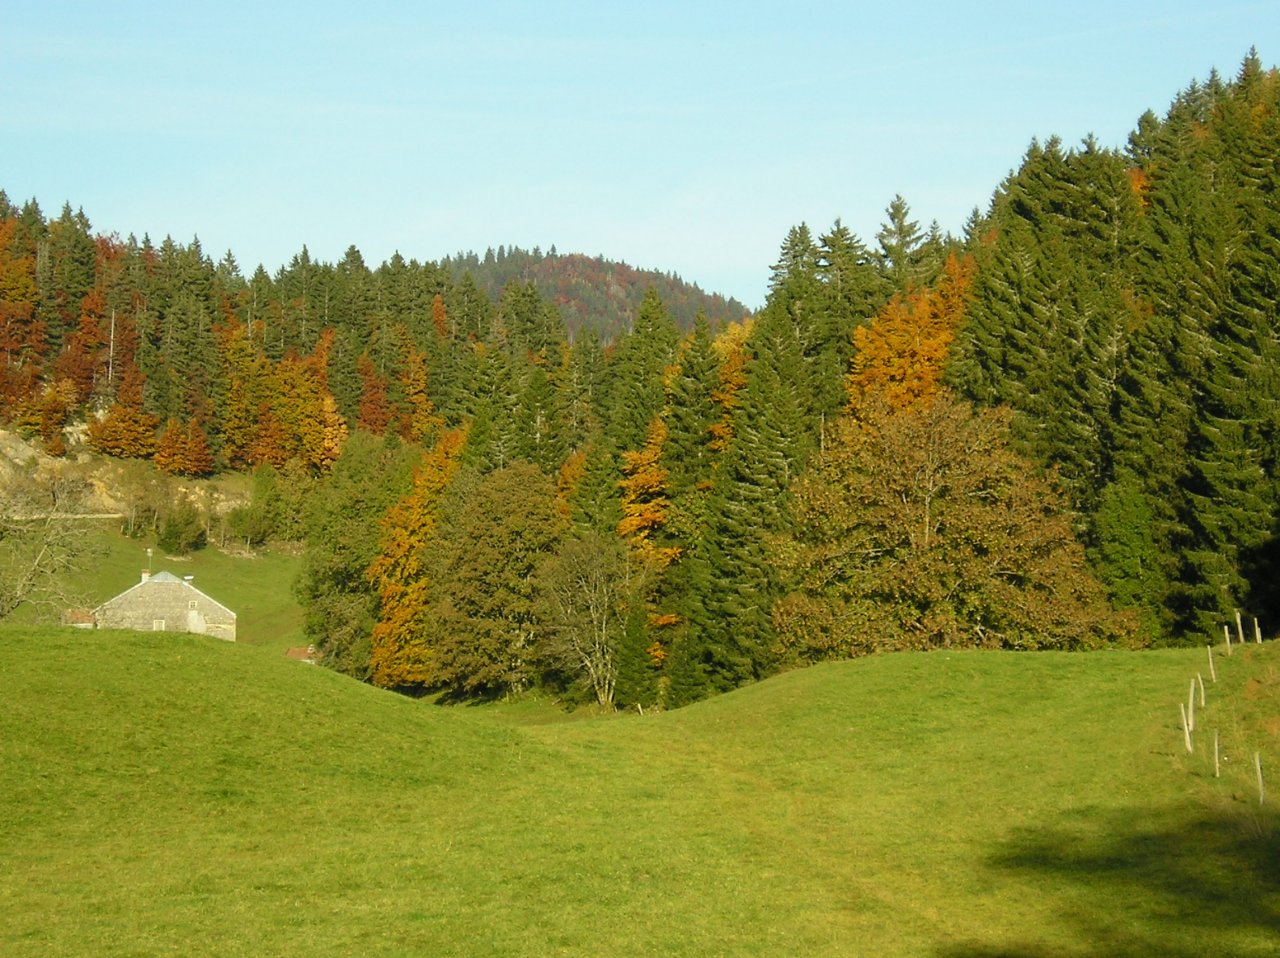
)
(731, 576)
(634, 391)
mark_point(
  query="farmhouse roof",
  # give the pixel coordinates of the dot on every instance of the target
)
(166, 577)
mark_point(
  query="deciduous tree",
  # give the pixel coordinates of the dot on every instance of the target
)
(920, 528)
(42, 540)
(486, 633)
(587, 589)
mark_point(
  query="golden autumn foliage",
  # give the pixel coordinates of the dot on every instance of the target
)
(270, 443)
(644, 496)
(439, 316)
(22, 333)
(901, 353)
(333, 434)
(418, 421)
(84, 355)
(733, 376)
(126, 430)
(401, 653)
(375, 413)
(46, 415)
(568, 478)
(1140, 183)
(298, 418)
(246, 373)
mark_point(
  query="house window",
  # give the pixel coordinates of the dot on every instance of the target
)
(157, 625)
(191, 604)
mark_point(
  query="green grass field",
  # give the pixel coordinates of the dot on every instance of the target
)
(174, 795)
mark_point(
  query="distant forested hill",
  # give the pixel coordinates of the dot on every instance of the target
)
(592, 291)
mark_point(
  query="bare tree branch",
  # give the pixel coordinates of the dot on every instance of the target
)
(42, 540)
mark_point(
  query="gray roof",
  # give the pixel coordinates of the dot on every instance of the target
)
(165, 577)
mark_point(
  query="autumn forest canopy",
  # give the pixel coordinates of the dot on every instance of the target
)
(1059, 429)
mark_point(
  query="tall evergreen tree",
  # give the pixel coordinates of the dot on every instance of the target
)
(635, 391)
(731, 577)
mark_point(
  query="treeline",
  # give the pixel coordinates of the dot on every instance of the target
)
(238, 372)
(1125, 307)
(995, 440)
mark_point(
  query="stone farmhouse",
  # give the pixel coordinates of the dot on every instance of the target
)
(165, 603)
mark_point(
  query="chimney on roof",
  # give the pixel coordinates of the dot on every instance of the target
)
(188, 579)
(146, 574)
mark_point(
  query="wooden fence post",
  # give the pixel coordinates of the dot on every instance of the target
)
(1186, 732)
(1226, 634)
(1257, 763)
(1213, 673)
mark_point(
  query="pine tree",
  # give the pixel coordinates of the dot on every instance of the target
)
(908, 256)
(692, 412)
(64, 276)
(540, 432)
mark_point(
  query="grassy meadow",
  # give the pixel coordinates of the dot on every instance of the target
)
(257, 587)
(170, 795)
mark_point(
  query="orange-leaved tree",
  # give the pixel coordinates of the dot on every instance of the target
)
(22, 333)
(901, 353)
(644, 497)
(401, 649)
(184, 450)
(127, 430)
(375, 412)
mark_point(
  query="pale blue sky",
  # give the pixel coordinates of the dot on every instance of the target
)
(687, 137)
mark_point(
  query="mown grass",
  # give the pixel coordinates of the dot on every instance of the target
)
(172, 794)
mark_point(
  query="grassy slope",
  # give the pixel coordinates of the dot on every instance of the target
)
(172, 794)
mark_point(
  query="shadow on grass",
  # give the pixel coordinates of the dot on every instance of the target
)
(1175, 882)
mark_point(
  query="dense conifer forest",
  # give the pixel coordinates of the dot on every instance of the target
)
(1057, 430)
